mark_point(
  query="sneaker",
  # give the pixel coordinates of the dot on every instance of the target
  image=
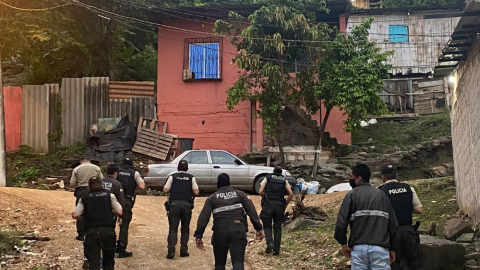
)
(186, 254)
(170, 256)
(125, 254)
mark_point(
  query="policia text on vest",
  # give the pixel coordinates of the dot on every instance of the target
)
(272, 190)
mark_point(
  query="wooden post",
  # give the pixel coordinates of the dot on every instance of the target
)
(3, 175)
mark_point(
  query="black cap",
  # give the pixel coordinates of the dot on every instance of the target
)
(223, 180)
(128, 161)
(85, 158)
(388, 168)
(182, 166)
(278, 170)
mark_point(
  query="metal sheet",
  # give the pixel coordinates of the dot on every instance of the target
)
(118, 108)
(35, 117)
(13, 117)
(142, 107)
(127, 90)
(55, 113)
(73, 111)
(96, 100)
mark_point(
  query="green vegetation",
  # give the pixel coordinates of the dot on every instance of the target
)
(7, 241)
(25, 165)
(399, 134)
(418, 3)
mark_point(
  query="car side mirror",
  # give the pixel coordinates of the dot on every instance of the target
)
(238, 162)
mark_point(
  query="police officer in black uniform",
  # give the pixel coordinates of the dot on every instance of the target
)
(229, 223)
(130, 180)
(111, 184)
(405, 201)
(99, 209)
(272, 189)
(182, 188)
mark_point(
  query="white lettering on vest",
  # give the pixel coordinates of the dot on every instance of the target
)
(107, 185)
(279, 177)
(227, 195)
(182, 178)
(124, 173)
(397, 190)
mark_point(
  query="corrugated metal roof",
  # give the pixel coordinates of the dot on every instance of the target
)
(131, 89)
(142, 107)
(73, 111)
(13, 117)
(96, 99)
(35, 117)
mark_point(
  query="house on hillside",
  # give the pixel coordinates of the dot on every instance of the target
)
(192, 83)
(417, 36)
(460, 62)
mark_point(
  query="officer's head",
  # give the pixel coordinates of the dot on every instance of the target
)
(278, 170)
(112, 170)
(361, 174)
(85, 159)
(223, 180)
(388, 172)
(95, 184)
(182, 166)
(128, 161)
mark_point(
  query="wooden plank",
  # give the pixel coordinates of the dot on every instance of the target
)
(430, 83)
(149, 152)
(153, 142)
(157, 147)
(165, 125)
(153, 132)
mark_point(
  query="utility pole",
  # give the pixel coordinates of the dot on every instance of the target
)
(3, 172)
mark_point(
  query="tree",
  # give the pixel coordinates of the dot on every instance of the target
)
(270, 48)
(351, 73)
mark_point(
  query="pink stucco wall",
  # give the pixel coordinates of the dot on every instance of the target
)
(197, 109)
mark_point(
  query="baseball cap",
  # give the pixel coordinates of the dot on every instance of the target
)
(388, 168)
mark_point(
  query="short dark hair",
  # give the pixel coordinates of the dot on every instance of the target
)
(95, 184)
(112, 169)
(223, 180)
(182, 166)
(278, 170)
(362, 170)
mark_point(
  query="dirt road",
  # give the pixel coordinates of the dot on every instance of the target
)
(47, 213)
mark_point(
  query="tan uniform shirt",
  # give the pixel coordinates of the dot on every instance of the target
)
(83, 173)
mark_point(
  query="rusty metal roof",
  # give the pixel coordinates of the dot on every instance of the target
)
(460, 42)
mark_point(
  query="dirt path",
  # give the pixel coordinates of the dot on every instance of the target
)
(47, 213)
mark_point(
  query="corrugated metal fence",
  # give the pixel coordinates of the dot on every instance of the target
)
(79, 103)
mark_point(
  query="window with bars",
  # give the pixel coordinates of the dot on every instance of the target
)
(203, 58)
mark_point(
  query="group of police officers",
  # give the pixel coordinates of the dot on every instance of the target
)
(104, 201)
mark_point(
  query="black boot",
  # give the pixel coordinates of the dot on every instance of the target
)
(124, 254)
(184, 252)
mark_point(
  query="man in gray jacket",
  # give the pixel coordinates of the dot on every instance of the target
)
(372, 224)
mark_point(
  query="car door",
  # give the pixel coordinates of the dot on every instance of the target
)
(199, 166)
(224, 162)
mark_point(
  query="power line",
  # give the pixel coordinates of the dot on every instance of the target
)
(34, 9)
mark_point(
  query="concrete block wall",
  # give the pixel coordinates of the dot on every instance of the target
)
(466, 133)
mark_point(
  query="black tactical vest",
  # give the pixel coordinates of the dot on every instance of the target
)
(98, 210)
(126, 176)
(275, 188)
(227, 206)
(181, 189)
(401, 197)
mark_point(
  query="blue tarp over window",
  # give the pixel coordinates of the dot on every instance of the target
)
(398, 33)
(204, 60)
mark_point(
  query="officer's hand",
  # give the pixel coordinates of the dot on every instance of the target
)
(260, 235)
(199, 243)
(119, 221)
(392, 256)
(347, 251)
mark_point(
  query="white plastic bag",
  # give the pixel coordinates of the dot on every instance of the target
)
(312, 187)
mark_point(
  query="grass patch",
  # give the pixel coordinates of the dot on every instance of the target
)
(25, 165)
(424, 128)
(434, 195)
(7, 241)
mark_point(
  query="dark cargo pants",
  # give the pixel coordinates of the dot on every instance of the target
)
(229, 235)
(126, 219)
(180, 212)
(408, 249)
(102, 240)
(273, 212)
(79, 193)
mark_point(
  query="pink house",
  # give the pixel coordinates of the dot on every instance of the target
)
(194, 71)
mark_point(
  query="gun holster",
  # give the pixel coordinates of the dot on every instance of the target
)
(167, 205)
(417, 225)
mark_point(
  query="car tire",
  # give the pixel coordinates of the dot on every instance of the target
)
(256, 186)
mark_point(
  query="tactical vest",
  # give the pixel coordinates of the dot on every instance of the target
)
(275, 188)
(98, 210)
(401, 198)
(126, 176)
(227, 206)
(181, 189)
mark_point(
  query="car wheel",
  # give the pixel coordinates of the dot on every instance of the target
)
(258, 181)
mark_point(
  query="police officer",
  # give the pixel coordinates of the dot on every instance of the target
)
(405, 201)
(111, 184)
(80, 176)
(130, 180)
(99, 209)
(272, 189)
(182, 188)
(229, 232)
